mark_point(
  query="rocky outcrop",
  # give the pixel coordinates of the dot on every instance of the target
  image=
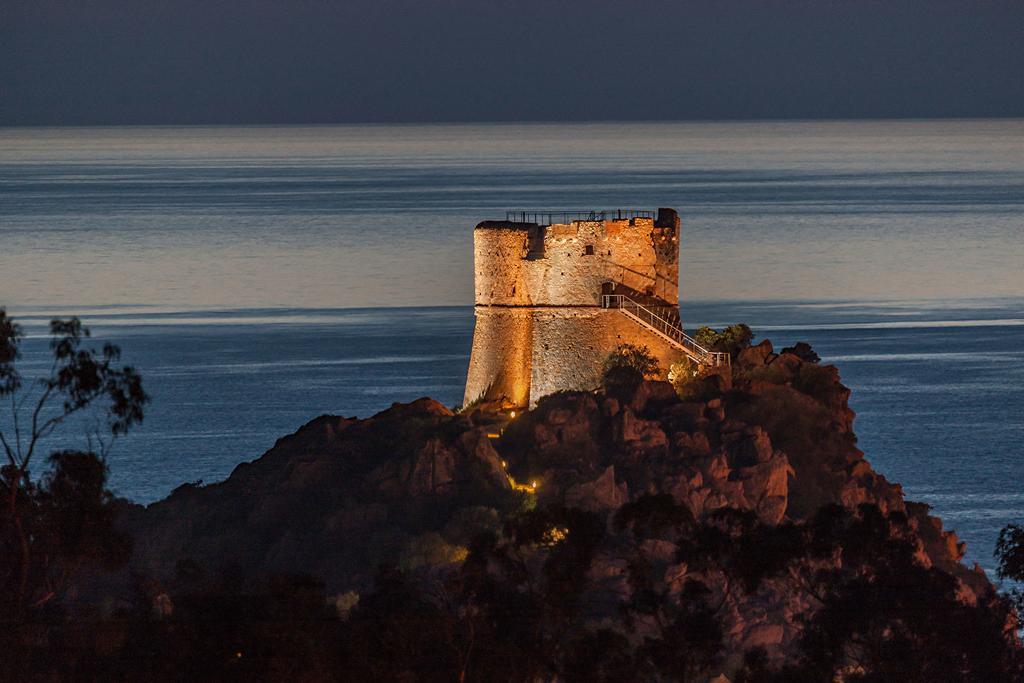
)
(334, 499)
(341, 496)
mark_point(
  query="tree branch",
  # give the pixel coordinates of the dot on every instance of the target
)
(17, 428)
(35, 422)
(38, 432)
(8, 451)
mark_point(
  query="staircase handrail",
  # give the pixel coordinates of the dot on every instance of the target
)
(665, 327)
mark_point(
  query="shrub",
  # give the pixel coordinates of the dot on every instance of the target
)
(469, 522)
(626, 367)
(803, 351)
(691, 382)
(430, 549)
(707, 337)
(731, 340)
(682, 374)
(651, 515)
(817, 382)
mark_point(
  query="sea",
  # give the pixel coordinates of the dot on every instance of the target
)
(258, 277)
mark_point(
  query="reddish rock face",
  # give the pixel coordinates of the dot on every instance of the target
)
(779, 445)
(708, 462)
(601, 494)
(341, 496)
(326, 499)
(755, 356)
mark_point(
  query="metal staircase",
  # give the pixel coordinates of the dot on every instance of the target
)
(669, 330)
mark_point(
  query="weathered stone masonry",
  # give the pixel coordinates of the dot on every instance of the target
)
(540, 327)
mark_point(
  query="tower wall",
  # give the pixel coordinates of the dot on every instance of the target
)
(524, 264)
(500, 264)
(539, 323)
(523, 353)
(570, 346)
(499, 364)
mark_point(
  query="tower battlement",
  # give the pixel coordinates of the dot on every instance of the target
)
(540, 286)
(566, 264)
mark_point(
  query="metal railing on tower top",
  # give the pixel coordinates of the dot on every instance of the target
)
(564, 217)
(667, 329)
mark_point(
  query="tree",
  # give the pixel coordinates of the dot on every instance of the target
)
(626, 367)
(61, 527)
(1009, 553)
(731, 340)
(103, 396)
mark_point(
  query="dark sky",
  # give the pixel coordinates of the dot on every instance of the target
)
(306, 61)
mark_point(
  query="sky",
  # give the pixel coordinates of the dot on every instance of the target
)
(86, 62)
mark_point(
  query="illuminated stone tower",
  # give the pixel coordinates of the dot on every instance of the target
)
(556, 293)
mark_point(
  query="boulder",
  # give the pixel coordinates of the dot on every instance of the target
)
(762, 635)
(644, 433)
(754, 356)
(602, 493)
(787, 364)
(691, 445)
(653, 395)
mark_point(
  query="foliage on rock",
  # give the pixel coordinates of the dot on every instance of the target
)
(626, 367)
(731, 340)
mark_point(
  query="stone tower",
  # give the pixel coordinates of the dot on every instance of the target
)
(556, 293)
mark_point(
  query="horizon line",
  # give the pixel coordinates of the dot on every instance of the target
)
(524, 122)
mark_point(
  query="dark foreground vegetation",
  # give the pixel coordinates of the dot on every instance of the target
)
(717, 525)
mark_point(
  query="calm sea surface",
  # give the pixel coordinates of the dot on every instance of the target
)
(259, 277)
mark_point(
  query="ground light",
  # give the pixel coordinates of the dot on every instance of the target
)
(502, 418)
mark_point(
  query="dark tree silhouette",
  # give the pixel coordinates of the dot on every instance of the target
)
(49, 528)
(1009, 553)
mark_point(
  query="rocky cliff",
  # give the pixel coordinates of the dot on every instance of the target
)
(746, 496)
